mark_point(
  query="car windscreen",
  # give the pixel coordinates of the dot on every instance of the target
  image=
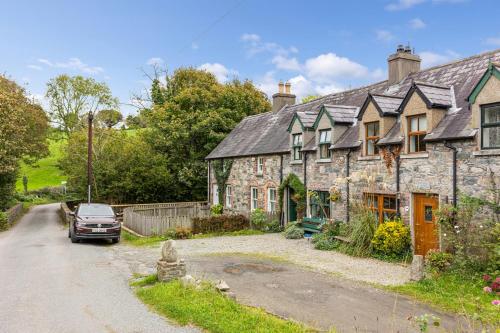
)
(95, 210)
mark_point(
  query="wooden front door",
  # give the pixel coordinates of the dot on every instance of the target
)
(424, 223)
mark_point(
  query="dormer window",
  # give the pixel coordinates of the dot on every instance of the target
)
(297, 147)
(490, 126)
(417, 130)
(325, 140)
(372, 136)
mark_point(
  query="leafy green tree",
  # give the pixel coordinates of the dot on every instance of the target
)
(71, 97)
(195, 114)
(126, 169)
(23, 133)
(310, 98)
(134, 122)
(109, 118)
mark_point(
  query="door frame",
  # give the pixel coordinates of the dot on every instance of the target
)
(412, 216)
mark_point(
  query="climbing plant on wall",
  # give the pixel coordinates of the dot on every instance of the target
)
(222, 169)
(300, 194)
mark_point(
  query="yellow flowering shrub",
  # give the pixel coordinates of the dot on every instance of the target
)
(392, 238)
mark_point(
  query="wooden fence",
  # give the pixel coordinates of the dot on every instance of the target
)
(156, 219)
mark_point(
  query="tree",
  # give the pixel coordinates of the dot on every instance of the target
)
(309, 98)
(109, 118)
(71, 97)
(134, 122)
(194, 115)
(23, 133)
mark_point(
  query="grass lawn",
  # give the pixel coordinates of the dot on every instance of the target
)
(454, 292)
(45, 172)
(209, 309)
(155, 240)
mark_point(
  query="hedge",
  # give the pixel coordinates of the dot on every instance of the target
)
(220, 223)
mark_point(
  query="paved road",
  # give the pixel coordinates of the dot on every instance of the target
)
(48, 284)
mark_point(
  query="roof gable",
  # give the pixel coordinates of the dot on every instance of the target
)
(337, 114)
(493, 70)
(386, 105)
(435, 96)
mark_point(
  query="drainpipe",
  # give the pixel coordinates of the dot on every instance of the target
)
(347, 170)
(398, 189)
(282, 213)
(454, 149)
(306, 213)
(209, 183)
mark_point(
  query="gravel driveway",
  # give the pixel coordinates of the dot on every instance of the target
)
(301, 252)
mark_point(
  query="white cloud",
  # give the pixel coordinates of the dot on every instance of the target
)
(194, 46)
(155, 61)
(35, 67)
(254, 45)
(417, 23)
(378, 74)
(403, 4)
(220, 71)
(430, 59)
(407, 4)
(289, 64)
(495, 41)
(327, 66)
(384, 35)
(73, 64)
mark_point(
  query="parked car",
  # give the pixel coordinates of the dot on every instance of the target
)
(94, 221)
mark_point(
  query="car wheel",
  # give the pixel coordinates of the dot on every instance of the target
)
(115, 240)
(69, 232)
(73, 237)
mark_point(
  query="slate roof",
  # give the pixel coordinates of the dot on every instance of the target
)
(267, 133)
(388, 104)
(310, 145)
(342, 114)
(307, 118)
(393, 136)
(438, 96)
(350, 139)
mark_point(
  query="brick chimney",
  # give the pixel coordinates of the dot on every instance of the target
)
(402, 63)
(283, 96)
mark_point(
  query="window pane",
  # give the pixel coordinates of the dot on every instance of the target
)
(413, 124)
(370, 130)
(492, 114)
(491, 137)
(389, 202)
(389, 216)
(375, 128)
(421, 143)
(428, 213)
(324, 151)
(413, 144)
(328, 136)
(370, 147)
(422, 123)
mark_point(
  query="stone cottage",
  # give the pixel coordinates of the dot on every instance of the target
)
(402, 146)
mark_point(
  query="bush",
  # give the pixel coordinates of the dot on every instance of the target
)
(361, 233)
(323, 241)
(217, 209)
(392, 239)
(273, 226)
(258, 219)
(292, 231)
(183, 233)
(437, 261)
(4, 222)
(220, 223)
(332, 229)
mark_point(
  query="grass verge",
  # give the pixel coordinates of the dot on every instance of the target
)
(208, 309)
(155, 240)
(459, 293)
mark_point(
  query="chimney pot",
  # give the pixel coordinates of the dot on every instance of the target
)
(281, 87)
(288, 85)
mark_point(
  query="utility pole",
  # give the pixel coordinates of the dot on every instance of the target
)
(89, 158)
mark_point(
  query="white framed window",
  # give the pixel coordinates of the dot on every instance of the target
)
(229, 196)
(260, 165)
(297, 147)
(254, 198)
(325, 140)
(271, 199)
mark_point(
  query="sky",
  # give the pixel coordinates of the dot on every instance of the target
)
(321, 47)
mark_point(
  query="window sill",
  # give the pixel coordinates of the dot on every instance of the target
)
(413, 156)
(487, 152)
(369, 158)
(324, 160)
(296, 162)
(259, 174)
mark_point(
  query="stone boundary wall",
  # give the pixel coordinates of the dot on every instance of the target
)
(64, 212)
(14, 212)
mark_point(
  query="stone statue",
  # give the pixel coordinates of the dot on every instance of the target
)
(169, 267)
(168, 251)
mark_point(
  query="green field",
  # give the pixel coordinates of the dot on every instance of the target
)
(44, 172)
